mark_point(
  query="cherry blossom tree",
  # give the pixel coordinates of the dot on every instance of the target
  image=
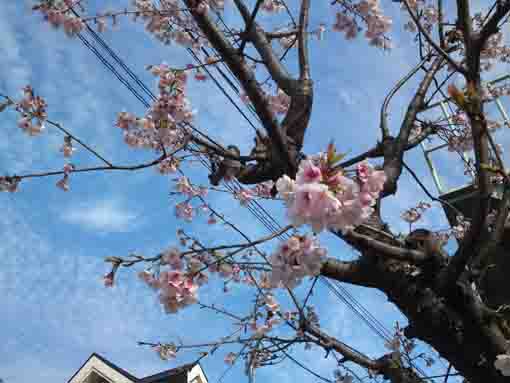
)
(454, 301)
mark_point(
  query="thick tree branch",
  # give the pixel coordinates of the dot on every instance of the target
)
(394, 148)
(440, 26)
(382, 249)
(389, 366)
(304, 65)
(492, 27)
(384, 108)
(469, 249)
(357, 272)
(346, 351)
(257, 37)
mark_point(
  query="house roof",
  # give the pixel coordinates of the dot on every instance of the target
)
(115, 367)
(178, 374)
(107, 363)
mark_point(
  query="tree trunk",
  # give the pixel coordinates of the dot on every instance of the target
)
(443, 323)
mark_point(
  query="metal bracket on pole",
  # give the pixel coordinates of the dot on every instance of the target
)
(433, 171)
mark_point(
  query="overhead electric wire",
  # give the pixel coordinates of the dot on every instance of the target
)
(225, 93)
(112, 69)
(115, 57)
(374, 327)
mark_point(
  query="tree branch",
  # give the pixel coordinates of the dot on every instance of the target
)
(304, 65)
(346, 351)
(258, 38)
(431, 41)
(394, 148)
(357, 272)
(491, 27)
(384, 109)
(250, 23)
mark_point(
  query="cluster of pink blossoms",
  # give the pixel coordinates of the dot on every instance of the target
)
(184, 273)
(166, 351)
(278, 103)
(9, 184)
(168, 165)
(272, 6)
(262, 190)
(158, 128)
(429, 15)
(325, 198)
(32, 109)
(295, 259)
(185, 209)
(415, 213)
(58, 14)
(67, 148)
(177, 288)
(169, 23)
(271, 318)
(369, 11)
(461, 227)
(495, 49)
(459, 136)
(63, 183)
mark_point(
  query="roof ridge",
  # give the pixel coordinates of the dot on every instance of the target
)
(115, 367)
(170, 372)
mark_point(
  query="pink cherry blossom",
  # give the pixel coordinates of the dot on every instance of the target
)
(183, 186)
(184, 210)
(272, 6)
(68, 168)
(363, 171)
(166, 351)
(63, 183)
(264, 189)
(168, 165)
(149, 279)
(9, 184)
(108, 279)
(308, 173)
(67, 147)
(244, 196)
(200, 76)
(313, 204)
(325, 198)
(286, 187)
(293, 260)
(172, 257)
(177, 290)
(230, 358)
(73, 26)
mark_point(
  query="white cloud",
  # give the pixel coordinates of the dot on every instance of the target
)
(103, 216)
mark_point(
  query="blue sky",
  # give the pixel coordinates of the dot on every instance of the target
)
(55, 310)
